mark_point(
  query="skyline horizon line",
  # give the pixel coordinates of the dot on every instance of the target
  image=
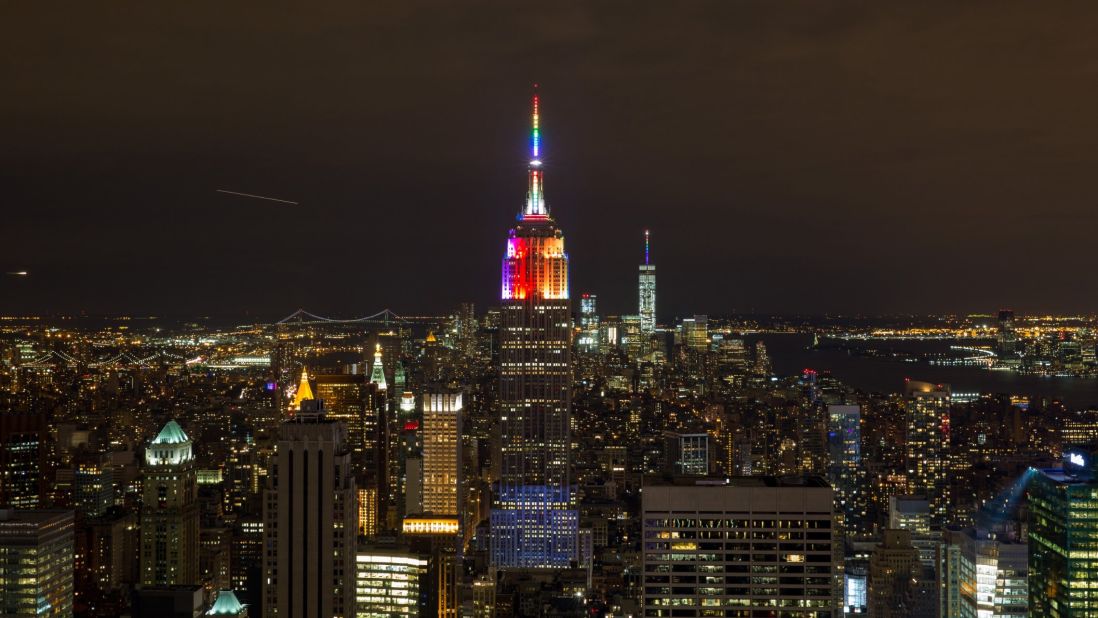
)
(733, 315)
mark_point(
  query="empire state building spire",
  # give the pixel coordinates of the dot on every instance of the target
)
(534, 522)
(535, 195)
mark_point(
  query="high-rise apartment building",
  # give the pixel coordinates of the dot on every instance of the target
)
(169, 511)
(928, 443)
(36, 554)
(745, 546)
(1063, 533)
(534, 523)
(442, 453)
(310, 520)
(845, 472)
(646, 287)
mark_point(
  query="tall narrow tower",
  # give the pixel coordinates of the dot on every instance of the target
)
(647, 288)
(169, 511)
(533, 519)
(442, 453)
(309, 519)
(928, 445)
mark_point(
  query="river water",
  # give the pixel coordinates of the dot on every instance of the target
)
(790, 355)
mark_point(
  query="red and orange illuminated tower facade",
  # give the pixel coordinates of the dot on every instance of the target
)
(534, 521)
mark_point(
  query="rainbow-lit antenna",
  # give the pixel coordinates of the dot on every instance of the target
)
(536, 143)
(646, 247)
(535, 200)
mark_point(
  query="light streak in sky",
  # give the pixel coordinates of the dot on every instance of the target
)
(258, 197)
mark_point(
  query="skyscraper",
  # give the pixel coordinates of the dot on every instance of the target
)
(646, 286)
(169, 510)
(533, 519)
(36, 551)
(845, 473)
(928, 444)
(22, 458)
(1063, 523)
(309, 520)
(589, 324)
(441, 453)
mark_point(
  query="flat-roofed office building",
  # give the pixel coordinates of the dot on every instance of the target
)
(739, 546)
(36, 551)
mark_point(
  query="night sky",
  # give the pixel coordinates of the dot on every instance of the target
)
(791, 157)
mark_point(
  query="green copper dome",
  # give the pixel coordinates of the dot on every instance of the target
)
(226, 605)
(170, 447)
(172, 433)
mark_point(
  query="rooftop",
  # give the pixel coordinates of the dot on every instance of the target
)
(226, 605)
(737, 481)
(172, 433)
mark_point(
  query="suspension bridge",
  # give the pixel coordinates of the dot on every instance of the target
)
(385, 317)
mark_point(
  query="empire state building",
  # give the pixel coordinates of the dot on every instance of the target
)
(533, 519)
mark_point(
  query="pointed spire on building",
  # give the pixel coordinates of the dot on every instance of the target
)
(646, 247)
(535, 195)
(304, 391)
(377, 372)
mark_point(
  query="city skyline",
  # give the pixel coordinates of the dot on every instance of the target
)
(283, 336)
(126, 160)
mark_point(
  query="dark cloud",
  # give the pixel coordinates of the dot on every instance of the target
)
(789, 156)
